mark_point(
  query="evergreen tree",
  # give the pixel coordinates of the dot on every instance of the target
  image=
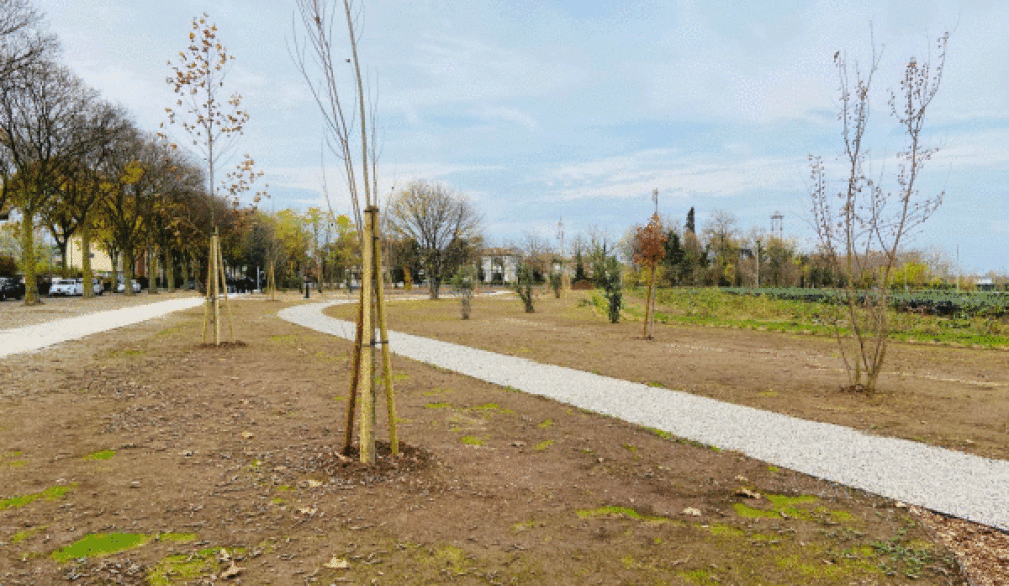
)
(690, 226)
(673, 261)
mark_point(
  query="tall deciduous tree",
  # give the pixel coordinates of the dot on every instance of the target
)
(440, 220)
(863, 226)
(23, 41)
(39, 110)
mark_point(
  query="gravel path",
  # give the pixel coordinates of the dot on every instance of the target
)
(41, 335)
(945, 481)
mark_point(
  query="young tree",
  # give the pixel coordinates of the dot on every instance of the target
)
(613, 287)
(317, 18)
(863, 227)
(439, 220)
(649, 248)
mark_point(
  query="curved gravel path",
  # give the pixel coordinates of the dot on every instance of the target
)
(950, 482)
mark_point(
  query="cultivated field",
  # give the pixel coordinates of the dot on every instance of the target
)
(176, 463)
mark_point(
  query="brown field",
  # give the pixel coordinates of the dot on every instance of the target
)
(219, 463)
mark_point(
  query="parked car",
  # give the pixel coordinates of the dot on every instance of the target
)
(66, 287)
(11, 288)
(97, 287)
(121, 288)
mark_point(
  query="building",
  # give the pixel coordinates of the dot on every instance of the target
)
(499, 265)
(101, 264)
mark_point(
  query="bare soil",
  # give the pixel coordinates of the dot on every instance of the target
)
(222, 464)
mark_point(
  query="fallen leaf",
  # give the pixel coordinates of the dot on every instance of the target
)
(231, 572)
(337, 564)
(308, 510)
(745, 492)
(224, 556)
(312, 483)
(692, 512)
(741, 478)
(247, 435)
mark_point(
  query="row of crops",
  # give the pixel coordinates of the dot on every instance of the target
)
(987, 304)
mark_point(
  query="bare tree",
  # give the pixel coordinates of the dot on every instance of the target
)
(23, 42)
(351, 130)
(866, 226)
(440, 220)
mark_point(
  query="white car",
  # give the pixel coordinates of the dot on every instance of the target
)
(120, 288)
(66, 287)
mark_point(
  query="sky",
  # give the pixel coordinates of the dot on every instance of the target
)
(573, 111)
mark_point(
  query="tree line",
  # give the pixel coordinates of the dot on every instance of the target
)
(77, 165)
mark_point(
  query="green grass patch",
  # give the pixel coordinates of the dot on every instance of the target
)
(27, 534)
(99, 544)
(546, 424)
(750, 513)
(725, 530)
(656, 385)
(470, 440)
(613, 511)
(50, 494)
(659, 432)
(102, 455)
(437, 406)
(176, 569)
(543, 445)
(284, 338)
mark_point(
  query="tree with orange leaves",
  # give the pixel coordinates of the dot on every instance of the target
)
(649, 249)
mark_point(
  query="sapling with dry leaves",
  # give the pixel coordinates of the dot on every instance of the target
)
(649, 246)
(862, 227)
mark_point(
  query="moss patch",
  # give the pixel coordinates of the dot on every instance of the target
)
(178, 568)
(543, 445)
(99, 544)
(49, 494)
(613, 511)
(102, 455)
(470, 440)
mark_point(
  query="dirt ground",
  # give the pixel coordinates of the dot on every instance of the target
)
(179, 463)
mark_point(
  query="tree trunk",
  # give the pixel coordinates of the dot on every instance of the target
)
(28, 257)
(152, 271)
(169, 263)
(89, 290)
(128, 266)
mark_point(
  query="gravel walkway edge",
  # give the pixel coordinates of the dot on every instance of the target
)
(38, 336)
(945, 481)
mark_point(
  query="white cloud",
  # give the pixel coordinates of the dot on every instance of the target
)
(636, 175)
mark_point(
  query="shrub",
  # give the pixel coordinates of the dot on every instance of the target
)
(524, 281)
(613, 288)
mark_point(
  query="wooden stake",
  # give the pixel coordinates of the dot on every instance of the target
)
(384, 332)
(354, 379)
(210, 289)
(224, 282)
(217, 292)
(367, 441)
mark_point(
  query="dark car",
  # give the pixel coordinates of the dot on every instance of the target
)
(11, 289)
